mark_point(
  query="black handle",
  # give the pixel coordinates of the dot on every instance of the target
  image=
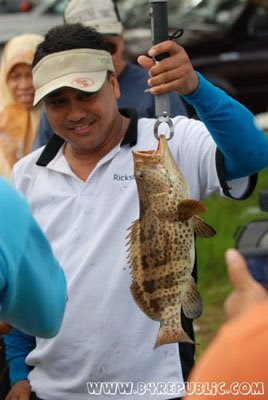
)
(159, 24)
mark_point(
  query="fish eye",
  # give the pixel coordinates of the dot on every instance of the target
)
(141, 174)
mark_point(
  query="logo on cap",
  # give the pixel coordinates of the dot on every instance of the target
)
(83, 82)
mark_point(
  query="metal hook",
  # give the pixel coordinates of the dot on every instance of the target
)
(164, 118)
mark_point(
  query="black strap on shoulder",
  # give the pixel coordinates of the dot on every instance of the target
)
(226, 189)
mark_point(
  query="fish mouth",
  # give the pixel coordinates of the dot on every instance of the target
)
(151, 156)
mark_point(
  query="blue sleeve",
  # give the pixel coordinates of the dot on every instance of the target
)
(233, 128)
(17, 346)
(44, 132)
(33, 286)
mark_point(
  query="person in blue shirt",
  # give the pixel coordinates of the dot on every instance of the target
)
(32, 284)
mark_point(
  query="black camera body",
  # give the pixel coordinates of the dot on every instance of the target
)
(252, 242)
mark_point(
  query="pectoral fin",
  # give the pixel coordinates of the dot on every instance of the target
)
(189, 207)
(203, 229)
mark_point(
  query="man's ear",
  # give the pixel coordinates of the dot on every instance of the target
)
(115, 86)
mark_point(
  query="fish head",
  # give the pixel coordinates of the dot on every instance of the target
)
(150, 171)
(159, 179)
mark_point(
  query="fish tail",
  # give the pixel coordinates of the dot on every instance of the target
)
(172, 334)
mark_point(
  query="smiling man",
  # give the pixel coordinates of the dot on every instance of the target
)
(84, 114)
(85, 211)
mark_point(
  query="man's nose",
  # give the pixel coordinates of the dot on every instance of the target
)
(75, 112)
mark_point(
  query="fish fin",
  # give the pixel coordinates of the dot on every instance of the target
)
(202, 228)
(141, 302)
(192, 305)
(133, 227)
(187, 208)
(131, 238)
(171, 334)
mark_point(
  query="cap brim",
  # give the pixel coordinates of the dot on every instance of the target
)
(87, 82)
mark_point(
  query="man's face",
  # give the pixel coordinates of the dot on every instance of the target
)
(85, 120)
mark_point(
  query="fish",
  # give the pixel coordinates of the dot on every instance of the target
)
(161, 243)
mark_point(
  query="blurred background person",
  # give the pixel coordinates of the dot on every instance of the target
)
(18, 118)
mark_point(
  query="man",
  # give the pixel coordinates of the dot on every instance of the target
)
(235, 365)
(82, 192)
(32, 285)
(103, 15)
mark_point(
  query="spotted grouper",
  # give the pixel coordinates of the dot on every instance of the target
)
(161, 243)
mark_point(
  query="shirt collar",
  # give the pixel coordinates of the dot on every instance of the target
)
(55, 143)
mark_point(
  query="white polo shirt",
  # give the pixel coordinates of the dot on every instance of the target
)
(104, 336)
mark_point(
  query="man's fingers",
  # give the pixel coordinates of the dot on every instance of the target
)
(146, 62)
(238, 272)
(163, 47)
(174, 73)
(168, 46)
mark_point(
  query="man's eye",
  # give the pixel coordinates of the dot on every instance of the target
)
(55, 102)
(86, 95)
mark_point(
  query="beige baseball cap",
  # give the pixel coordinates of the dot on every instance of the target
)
(82, 69)
(101, 15)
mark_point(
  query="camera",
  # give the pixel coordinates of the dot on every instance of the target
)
(252, 242)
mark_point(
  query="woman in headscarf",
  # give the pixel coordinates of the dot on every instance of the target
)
(18, 118)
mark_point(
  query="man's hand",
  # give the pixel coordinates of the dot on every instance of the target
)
(246, 290)
(4, 328)
(20, 391)
(172, 73)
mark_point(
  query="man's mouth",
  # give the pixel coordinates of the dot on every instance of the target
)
(82, 129)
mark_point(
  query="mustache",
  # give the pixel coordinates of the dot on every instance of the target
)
(82, 122)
